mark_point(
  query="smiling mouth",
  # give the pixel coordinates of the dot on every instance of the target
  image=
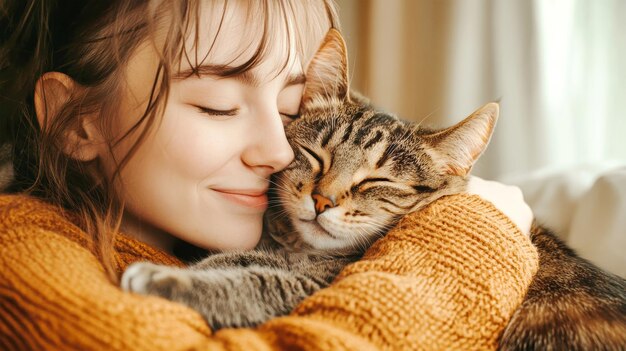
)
(251, 192)
(257, 200)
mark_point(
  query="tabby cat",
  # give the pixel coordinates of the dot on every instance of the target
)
(357, 171)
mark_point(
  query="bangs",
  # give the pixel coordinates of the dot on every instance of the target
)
(289, 30)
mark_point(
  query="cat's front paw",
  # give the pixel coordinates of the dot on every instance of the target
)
(151, 279)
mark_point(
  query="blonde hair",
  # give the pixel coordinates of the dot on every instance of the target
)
(93, 48)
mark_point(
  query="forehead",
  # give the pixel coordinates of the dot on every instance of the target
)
(244, 38)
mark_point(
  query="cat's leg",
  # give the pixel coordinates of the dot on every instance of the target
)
(227, 297)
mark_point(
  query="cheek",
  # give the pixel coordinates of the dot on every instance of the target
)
(364, 210)
(293, 189)
(189, 149)
(190, 144)
(304, 208)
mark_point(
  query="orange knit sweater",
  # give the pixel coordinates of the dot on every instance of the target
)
(446, 278)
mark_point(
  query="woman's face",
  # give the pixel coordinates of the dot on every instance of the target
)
(201, 175)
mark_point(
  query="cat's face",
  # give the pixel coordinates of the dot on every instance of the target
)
(356, 170)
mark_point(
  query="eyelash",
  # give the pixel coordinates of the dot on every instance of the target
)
(356, 187)
(292, 117)
(372, 180)
(233, 112)
(218, 113)
(288, 118)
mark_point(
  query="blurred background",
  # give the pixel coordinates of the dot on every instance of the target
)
(557, 66)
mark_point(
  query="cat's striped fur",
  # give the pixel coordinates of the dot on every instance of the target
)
(356, 172)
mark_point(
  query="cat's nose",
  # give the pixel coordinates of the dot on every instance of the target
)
(322, 203)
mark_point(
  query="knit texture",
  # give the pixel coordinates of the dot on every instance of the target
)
(446, 278)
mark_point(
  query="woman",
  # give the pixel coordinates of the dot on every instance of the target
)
(140, 125)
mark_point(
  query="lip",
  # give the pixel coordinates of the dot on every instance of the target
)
(254, 198)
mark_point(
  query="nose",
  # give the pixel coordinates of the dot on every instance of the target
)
(268, 149)
(322, 203)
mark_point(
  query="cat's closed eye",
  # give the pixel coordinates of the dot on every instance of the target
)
(369, 183)
(312, 155)
(372, 180)
(423, 189)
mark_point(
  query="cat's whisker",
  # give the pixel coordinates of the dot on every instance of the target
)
(359, 240)
(272, 182)
(375, 221)
(275, 207)
(419, 124)
(400, 142)
(280, 214)
(281, 184)
(274, 203)
(363, 241)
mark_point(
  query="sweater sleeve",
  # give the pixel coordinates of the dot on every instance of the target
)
(448, 277)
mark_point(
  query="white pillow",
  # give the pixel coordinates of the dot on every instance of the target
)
(598, 227)
(585, 206)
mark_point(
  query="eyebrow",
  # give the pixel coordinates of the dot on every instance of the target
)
(224, 71)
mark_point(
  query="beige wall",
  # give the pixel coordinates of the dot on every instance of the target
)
(398, 53)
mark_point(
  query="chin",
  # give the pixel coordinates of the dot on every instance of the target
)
(236, 238)
(247, 240)
(319, 238)
(241, 244)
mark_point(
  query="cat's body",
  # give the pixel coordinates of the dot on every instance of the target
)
(356, 173)
(243, 289)
(571, 304)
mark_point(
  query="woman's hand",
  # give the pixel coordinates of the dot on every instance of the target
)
(507, 198)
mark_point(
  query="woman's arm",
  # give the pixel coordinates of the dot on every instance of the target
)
(55, 295)
(447, 277)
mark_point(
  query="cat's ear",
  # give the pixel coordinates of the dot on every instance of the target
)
(458, 147)
(327, 73)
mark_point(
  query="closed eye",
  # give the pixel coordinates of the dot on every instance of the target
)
(367, 181)
(287, 118)
(423, 189)
(319, 160)
(372, 180)
(217, 113)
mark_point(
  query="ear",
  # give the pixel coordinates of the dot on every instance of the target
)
(327, 74)
(52, 93)
(457, 148)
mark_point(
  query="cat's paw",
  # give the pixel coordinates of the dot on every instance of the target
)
(151, 279)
